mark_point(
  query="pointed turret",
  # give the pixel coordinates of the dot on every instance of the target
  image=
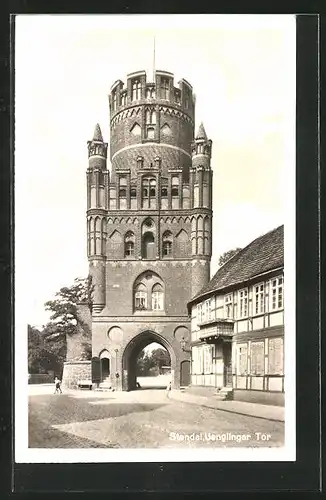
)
(97, 134)
(201, 134)
(97, 150)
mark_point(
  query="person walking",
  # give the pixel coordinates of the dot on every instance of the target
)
(57, 384)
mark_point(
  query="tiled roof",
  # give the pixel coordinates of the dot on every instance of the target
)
(201, 134)
(261, 255)
(97, 133)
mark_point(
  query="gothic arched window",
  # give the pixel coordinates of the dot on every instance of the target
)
(148, 292)
(157, 297)
(135, 90)
(150, 117)
(129, 244)
(167, 244)
(140, 297)
(165, 88)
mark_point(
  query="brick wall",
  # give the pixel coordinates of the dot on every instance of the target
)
(122, 274)
(132, 329)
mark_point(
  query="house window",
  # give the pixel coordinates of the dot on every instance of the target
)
(257, 358)
(175, 187)
(199, 313)
(208, 359)
(275, 356)
(242, 360)
(140, 297)
(243, 303)
(135, 90)
(259, 297)
(208, 310)
(167, 244)
(276, 295)
(165, 88)
(157, 297)
(129, 244)
(204, 311)
(149, 192)
(228, 306)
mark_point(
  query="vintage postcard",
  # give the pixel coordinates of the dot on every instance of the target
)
(154, 238)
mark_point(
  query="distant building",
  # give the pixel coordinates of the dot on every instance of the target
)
(237, 324)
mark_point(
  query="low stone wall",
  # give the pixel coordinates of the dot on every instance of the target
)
(74, 371)
(41, 378)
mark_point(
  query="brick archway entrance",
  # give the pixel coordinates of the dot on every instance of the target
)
(132, 351)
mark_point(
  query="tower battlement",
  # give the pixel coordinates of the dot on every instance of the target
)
(139, 90)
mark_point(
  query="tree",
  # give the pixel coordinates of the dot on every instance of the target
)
(65, 320)
(160, 358)
(144, 364)
(41, 357)
(227, 256)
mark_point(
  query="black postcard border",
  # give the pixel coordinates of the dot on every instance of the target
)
(302, 475)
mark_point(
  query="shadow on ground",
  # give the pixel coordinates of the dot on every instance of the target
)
(47, 410)
(62, 409)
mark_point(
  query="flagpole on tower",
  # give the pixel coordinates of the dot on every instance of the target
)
(154, 59)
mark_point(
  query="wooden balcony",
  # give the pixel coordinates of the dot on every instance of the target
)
(217, 330)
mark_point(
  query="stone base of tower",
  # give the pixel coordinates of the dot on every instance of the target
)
(73, 371)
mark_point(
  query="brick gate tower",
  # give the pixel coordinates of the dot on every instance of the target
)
(149, 226)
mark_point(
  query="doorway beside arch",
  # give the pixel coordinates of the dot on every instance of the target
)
(132, 352)
(104, 365)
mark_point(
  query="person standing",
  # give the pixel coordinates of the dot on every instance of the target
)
(57, 384)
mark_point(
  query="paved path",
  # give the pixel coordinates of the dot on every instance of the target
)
(139, 419)
(268, 412)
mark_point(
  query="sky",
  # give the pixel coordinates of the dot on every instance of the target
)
(242, 69)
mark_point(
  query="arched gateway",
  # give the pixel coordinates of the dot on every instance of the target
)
(115, 366)
(134, 348)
